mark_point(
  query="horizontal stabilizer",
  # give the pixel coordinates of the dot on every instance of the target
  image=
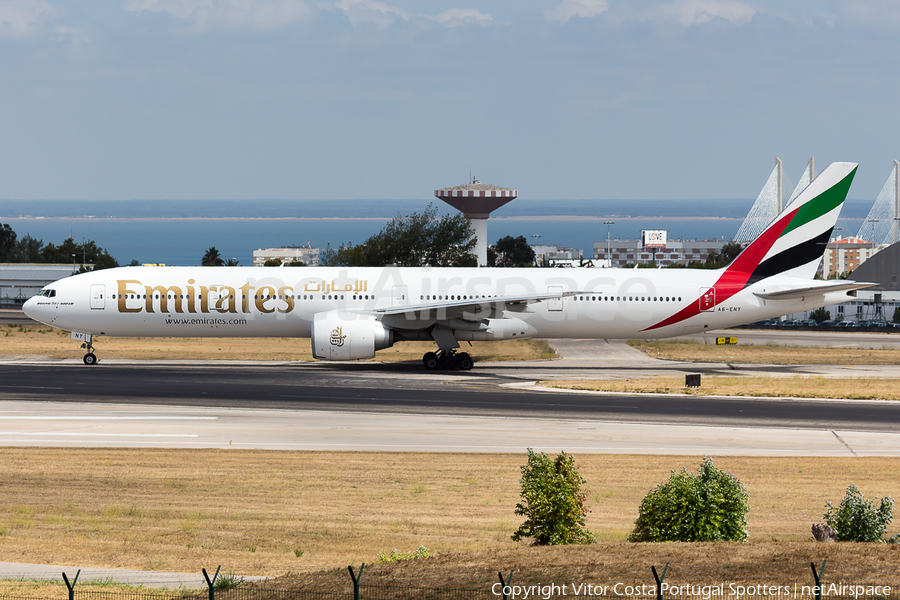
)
(813, 290)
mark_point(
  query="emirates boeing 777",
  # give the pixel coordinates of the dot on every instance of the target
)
(349, 313)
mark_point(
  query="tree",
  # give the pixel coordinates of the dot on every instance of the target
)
(28, 250)
(232, 262)
(272, 262)
(857, 520)
(820, 314)
(730, 251)
(86, 253)
(212, 258)
(416, 240)
(723, 258)
(7, 243)
(31, 250)
(511, 252)
(708, 506)
(552, 501)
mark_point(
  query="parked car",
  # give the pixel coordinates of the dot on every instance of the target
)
(808, 322)
(845, 324)
(828, 323)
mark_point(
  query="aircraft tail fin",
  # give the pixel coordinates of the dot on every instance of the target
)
(795, 241)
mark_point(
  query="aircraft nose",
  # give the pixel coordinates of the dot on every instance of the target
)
(29, 307)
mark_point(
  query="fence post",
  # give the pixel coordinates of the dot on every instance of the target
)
(71, 586)
(356, 577)
(504, 584)
(659, 579)
(818, 575)
(211, 583)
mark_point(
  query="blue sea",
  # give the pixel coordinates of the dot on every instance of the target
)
(180, 233)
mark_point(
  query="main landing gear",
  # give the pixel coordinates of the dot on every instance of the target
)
(447, 360)
(90, 358)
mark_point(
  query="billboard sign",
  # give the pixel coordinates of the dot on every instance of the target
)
(653, 238)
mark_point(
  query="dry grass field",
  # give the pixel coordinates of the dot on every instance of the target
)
(779, 387)
(312, 513)
(36, 340)
(694, 350)
(269, 513)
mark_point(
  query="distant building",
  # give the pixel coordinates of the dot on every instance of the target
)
(308, 256)
(624, 252)
(869, 305)
(551, 255)
(21, 281)
(846, 254)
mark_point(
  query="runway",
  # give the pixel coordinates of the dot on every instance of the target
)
(110, 425)
(399, 407)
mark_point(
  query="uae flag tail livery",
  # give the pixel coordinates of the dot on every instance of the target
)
(782, 262)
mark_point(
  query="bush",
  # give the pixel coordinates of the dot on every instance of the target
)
(820, 314)
(708, 506)
(857, 520)
(552, 501)
(395, 556)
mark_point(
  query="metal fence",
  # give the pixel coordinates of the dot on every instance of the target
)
(668, 582)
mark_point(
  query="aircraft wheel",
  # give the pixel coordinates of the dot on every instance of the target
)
(464, 361)
(448, 363)
(430, 360)
(90, 359)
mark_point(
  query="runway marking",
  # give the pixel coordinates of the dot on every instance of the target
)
(66, 433)
(85, 418)
(30, 387)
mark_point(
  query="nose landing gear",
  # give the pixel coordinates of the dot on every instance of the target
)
(447, 360)
(90, 358)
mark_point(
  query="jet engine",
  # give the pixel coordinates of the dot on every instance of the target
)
(343, 335)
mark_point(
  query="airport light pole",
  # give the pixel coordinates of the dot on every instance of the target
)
(608, 255)
(535, 237)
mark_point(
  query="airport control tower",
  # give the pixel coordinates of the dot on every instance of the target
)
(477, 201)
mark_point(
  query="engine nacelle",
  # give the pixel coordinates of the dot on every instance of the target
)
(342, 335)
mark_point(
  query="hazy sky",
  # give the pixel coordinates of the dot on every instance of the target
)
(330, 99)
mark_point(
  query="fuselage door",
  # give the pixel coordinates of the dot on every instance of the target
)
(213, 296)
(400, 296)
(98, 296)
(707, 299)
(555, 303)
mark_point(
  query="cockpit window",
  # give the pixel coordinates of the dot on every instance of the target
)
(48, 293)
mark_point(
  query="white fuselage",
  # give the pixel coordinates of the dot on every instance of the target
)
(282, 301)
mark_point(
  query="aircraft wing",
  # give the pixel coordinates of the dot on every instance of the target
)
(456, 308)
(824, 288)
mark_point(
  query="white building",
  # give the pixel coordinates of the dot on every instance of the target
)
(21, 281)
(553, 255)
(624, 252)
(308, 256)
(869, 305)
(846, 254)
